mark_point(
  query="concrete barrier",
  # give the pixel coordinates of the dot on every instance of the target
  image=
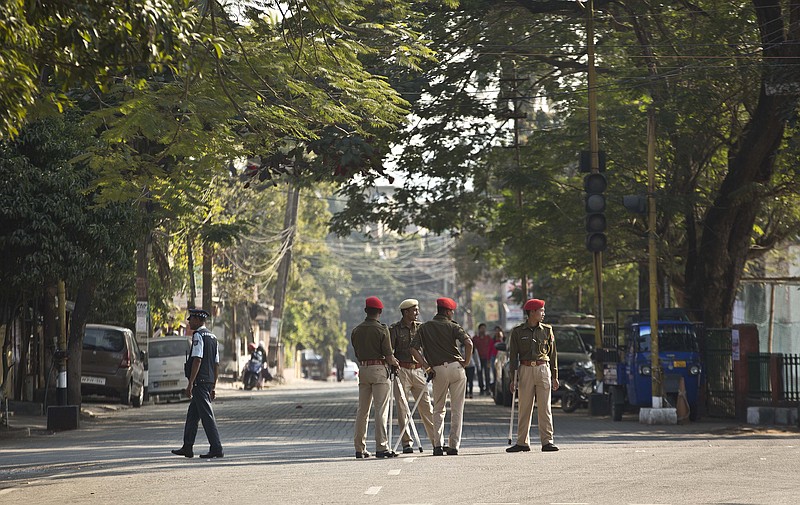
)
(658, 416)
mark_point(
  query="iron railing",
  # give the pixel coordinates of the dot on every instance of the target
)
(773, 377)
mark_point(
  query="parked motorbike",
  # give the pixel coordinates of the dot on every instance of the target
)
(252, 372)
(577, 388)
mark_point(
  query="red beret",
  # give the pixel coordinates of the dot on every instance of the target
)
(374, 302)
(533, 304)
(446, 303)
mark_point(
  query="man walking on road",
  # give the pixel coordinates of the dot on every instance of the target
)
(533, 344)
(439, 341)
(373, 350)
(411, 376)
(202, 381)
(483, 342)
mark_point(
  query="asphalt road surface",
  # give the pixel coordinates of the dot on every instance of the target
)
(293, 444)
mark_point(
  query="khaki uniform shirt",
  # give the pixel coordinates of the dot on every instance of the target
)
(370, 340)
(531, 344)
(439, 339)
(401, 336)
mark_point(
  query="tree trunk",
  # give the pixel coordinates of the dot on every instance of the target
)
(728, 226)
(208, 261)
(77, 324)
(190, 268)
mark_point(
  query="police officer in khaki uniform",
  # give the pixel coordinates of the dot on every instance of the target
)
(439, 341)
(411, 375)
(533, 344)
(373, 350)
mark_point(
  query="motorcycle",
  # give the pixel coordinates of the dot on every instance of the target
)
(252, 372)
(577, 389)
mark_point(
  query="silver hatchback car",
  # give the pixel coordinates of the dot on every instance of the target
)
(167, 356)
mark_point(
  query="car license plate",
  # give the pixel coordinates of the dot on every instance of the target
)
(679, 364)
(85, 379)
(165, 384)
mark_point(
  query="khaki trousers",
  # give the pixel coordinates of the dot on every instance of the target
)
(413, 383)
(535, 382)
(451, 378)
(373, 386)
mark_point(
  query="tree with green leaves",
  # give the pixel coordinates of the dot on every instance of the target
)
(720, 81)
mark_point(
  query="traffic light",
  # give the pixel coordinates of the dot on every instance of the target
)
(635, 203)
(595, 185)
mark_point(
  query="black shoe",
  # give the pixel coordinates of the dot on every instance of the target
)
(408, 450)
(183, 452)
(216, 454)
(518, 448)
(452, 452)
(549, 448)
(386, 454)
(362, 455)
(437, 451)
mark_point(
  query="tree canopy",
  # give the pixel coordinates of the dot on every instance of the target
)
(501, 120)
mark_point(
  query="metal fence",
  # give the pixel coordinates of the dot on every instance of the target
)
(773, 377)
(718, 366)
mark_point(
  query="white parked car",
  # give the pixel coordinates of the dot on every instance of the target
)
(167, 356)
(350, 371)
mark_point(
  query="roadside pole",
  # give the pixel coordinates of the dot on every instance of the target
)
(655, 362)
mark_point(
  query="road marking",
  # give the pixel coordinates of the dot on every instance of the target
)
(394, 472)
(409, 460)
(498, 503)
(7, 490)
(373, 490)
(570, 503)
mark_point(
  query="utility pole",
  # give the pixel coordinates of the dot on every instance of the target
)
(655, 362)
(516, 115)
(61, 385)
(289, 228)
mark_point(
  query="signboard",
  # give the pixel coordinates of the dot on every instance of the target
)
(141, 318)
(735, 351)
(275, 330)
(492, 311)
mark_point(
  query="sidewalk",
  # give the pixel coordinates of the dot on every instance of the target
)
(26, 422)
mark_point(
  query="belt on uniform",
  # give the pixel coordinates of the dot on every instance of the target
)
(368, 362)
(409, 364)
(445, 363)
(530, 362)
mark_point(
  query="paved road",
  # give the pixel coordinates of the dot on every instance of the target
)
(293, 445)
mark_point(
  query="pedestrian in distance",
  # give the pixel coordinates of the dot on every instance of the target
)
(471, 369)
(201, 390)
(411, 377)
(436, 346)
(339, 361)
(483, 342)
(533, 360)
(373, 349)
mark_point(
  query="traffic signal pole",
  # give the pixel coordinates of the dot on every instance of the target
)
(594, 148)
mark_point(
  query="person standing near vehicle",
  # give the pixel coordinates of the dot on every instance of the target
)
(438, 340)
(483, 342)
(373, 350)
(533, 344)
(339, 360)
(200, 390)
(411, 376)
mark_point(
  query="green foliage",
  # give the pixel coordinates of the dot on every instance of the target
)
(82, 43)
(50, 227)
(699, 66)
